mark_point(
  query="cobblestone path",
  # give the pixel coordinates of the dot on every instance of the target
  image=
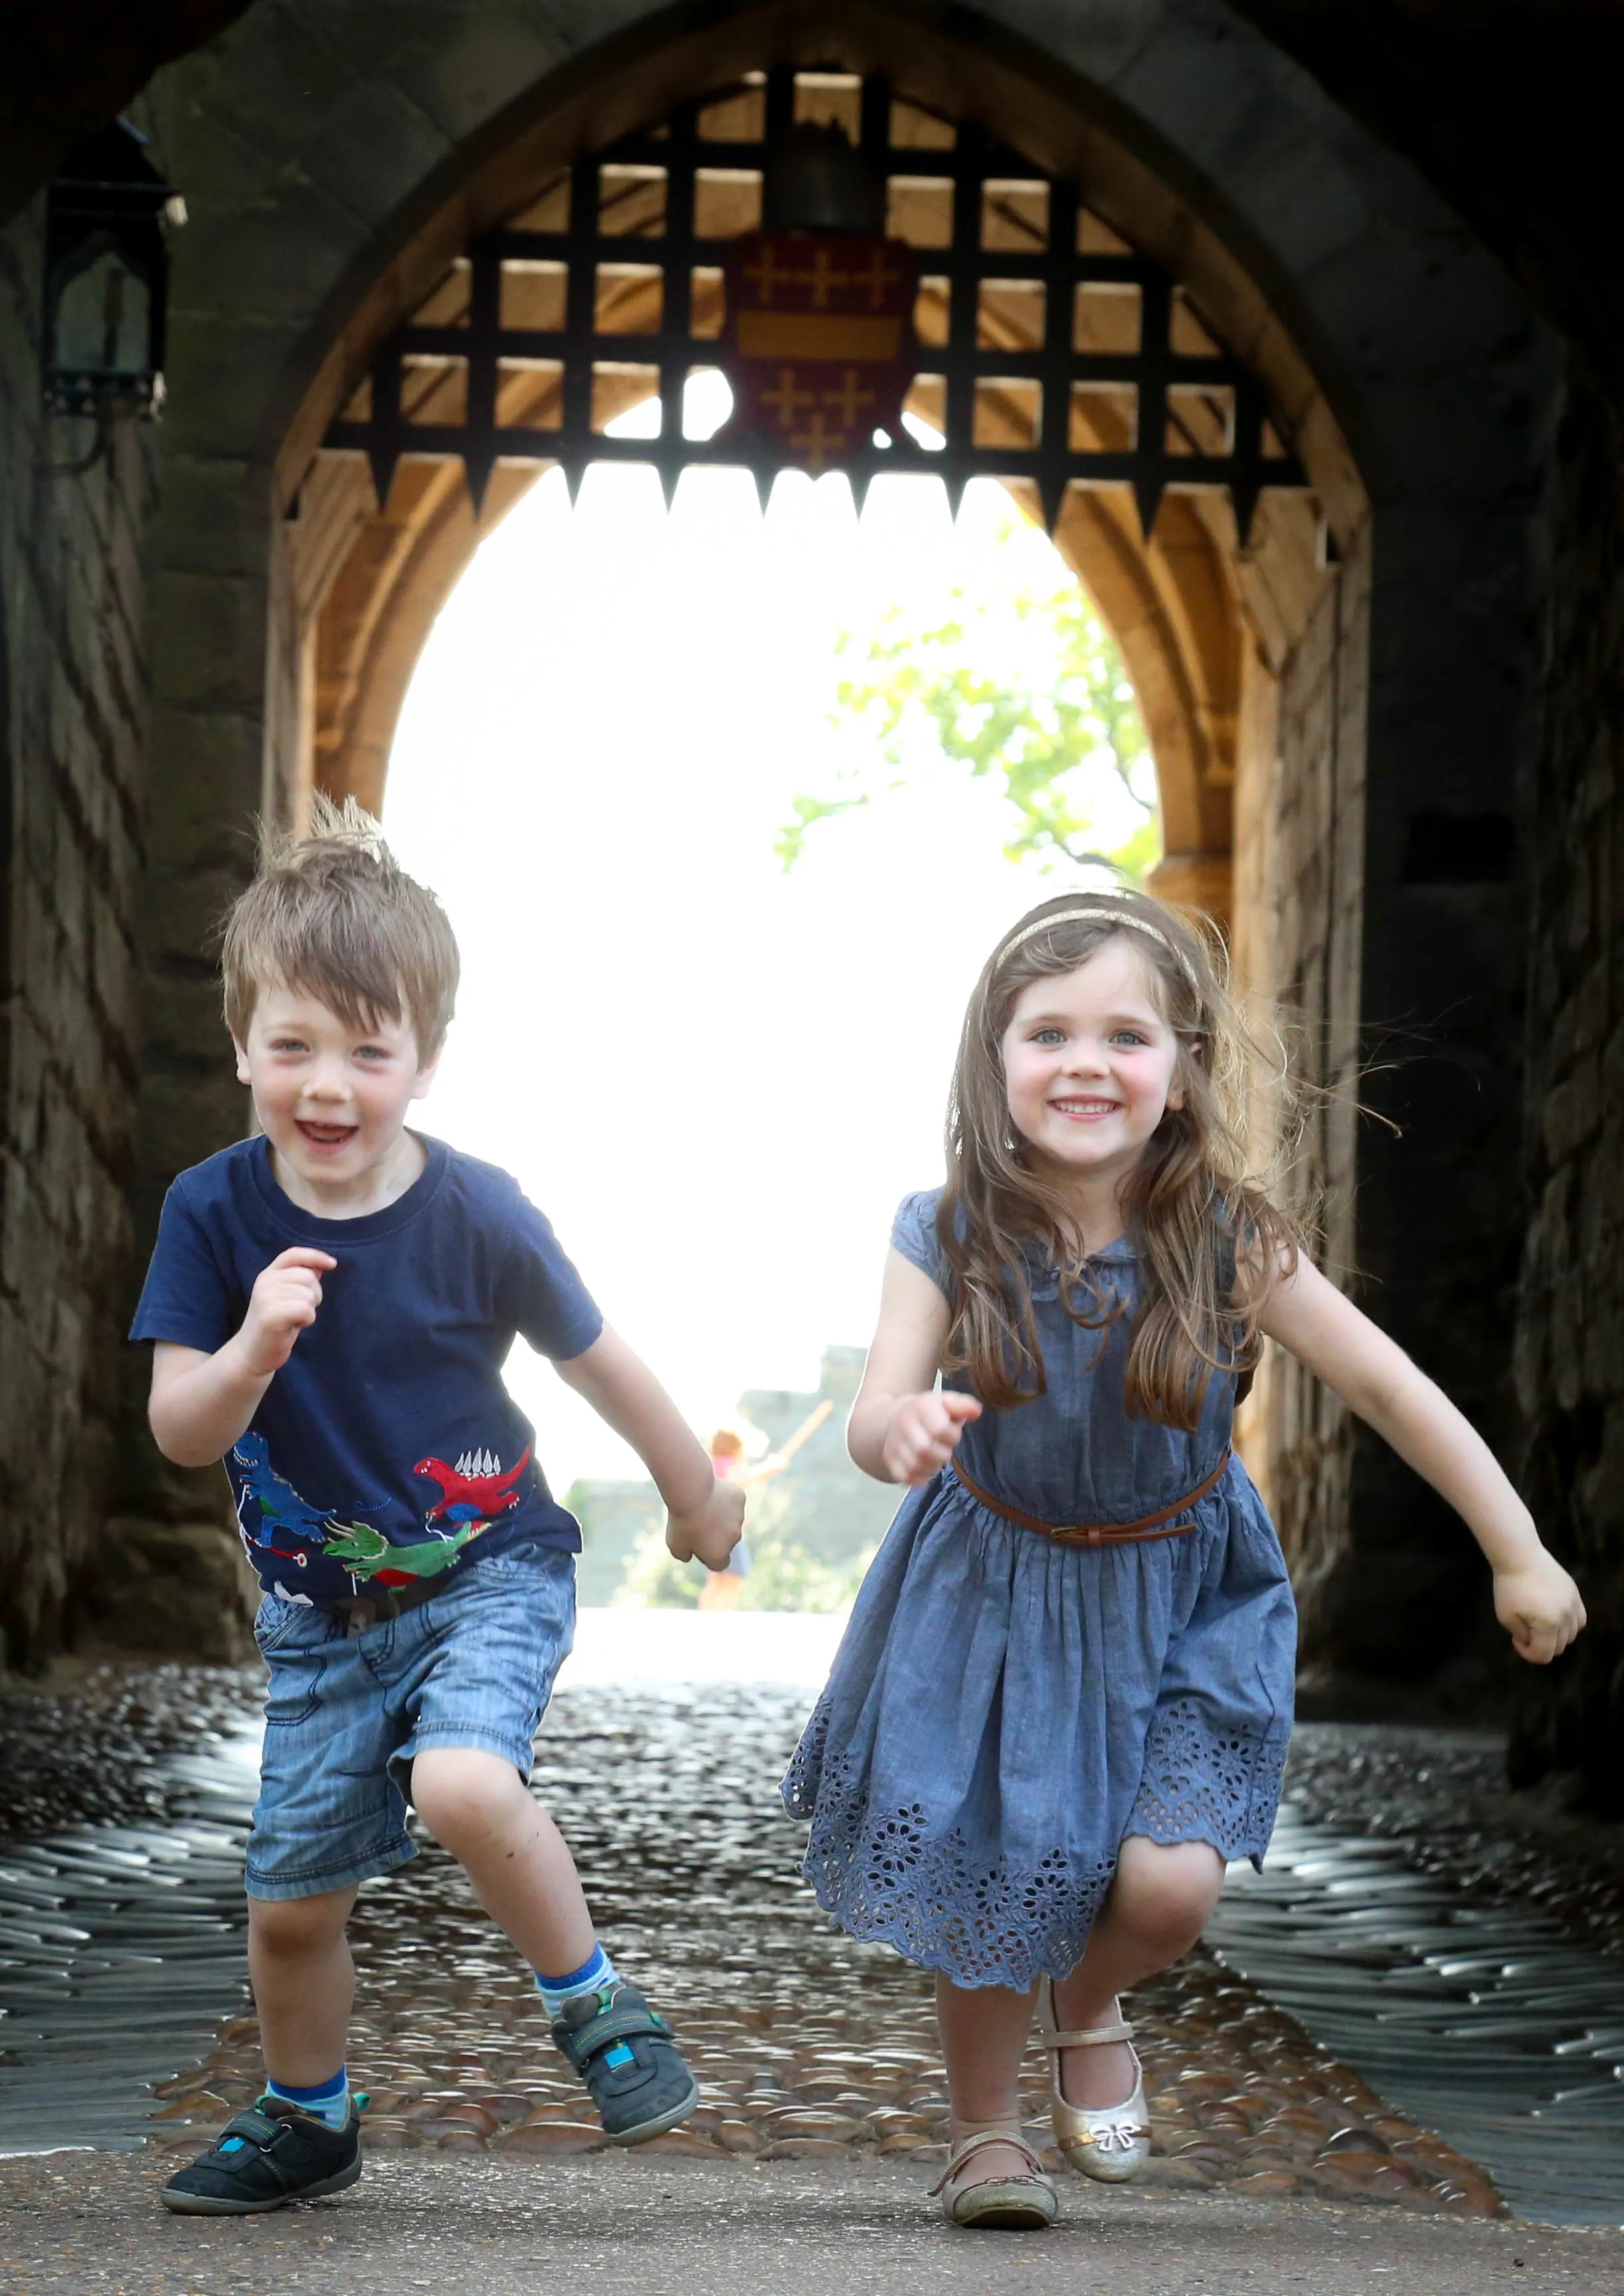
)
(808, 2046)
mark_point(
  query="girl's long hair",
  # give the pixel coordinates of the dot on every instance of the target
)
(1192, 1200)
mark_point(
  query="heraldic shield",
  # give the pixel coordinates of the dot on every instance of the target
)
(820, 347)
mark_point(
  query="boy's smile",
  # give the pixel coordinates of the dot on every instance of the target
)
(331, 1098)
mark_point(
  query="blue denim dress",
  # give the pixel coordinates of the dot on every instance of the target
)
(1004, 1710)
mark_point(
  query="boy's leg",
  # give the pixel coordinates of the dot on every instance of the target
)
(304, 1983)
(478, 1806)
(328, 1815)
(288, 2146)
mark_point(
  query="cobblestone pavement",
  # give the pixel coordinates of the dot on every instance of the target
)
(93, 1748)
(808, 2046)
(1444, 1791)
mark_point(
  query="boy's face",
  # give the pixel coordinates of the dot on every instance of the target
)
(332, 1099)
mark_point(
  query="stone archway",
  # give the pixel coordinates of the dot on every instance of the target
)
(1218, 637)
(333, 181)
(1190, 607)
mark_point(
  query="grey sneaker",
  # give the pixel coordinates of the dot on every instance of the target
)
(264, 2158)
(634, 2071)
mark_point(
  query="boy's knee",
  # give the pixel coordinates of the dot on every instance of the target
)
(290, 1927)
(464, 1796)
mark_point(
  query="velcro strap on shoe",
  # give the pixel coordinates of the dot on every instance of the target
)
(251, 2128)
(584, 2043)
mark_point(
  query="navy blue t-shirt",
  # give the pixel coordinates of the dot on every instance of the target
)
(387, 1445)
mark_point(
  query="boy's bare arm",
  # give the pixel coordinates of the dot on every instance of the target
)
(704, 1515)
(200, 1404)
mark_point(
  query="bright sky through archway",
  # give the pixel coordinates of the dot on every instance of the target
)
(717, 1080)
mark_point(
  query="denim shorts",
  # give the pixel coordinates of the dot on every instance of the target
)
(345, 1714)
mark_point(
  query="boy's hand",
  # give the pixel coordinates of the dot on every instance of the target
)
(1539, 1607)
(282, 1304)
(709, 1534)
(923, 1434)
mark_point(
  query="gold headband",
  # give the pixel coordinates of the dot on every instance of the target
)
(1101, 916)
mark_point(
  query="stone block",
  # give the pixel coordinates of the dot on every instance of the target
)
(1099, 39)
(269, 266)
(208, 769)
(377, 146)
(218, 514)
(224, 372)
(472, 65)
(265, 87)
(171, 1590)
(209, 642)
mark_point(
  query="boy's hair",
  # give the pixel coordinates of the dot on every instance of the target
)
(331, 913)
(1192, 1200)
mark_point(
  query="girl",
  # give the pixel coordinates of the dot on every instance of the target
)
(1064, 1696)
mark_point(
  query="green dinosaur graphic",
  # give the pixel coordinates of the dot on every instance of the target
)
(366, 1552)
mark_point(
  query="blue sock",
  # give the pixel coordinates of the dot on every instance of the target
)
(593, 1976)
(329, 2101)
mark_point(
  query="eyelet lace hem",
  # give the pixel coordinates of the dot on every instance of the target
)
(887, 1878)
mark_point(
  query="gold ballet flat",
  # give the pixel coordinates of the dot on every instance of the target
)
(1002, 2203)
(1111, 2143)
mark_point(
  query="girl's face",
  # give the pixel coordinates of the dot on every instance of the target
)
(1089, 1064)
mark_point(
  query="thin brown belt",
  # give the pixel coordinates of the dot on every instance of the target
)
(1160, 1525)
(360, 1611)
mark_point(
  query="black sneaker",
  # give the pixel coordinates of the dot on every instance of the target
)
(632, 2068)
(266, 2157)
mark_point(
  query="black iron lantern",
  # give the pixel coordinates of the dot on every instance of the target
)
(106, 278)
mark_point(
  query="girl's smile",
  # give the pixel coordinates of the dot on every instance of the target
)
(1089, 1064)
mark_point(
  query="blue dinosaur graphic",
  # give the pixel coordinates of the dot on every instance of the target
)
(290, 1526)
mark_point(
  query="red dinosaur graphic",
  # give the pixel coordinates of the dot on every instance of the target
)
(466, 1497)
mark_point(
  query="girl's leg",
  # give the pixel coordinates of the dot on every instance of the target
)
(984, 2031)
(304, 1983)
(480, 1809)
(1161, 1901)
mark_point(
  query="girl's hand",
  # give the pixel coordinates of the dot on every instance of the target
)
(708, 1533)
(282, 1304)
(1539, 1607)
(923, 1434)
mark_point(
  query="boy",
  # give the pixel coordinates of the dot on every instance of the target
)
(330, 1303)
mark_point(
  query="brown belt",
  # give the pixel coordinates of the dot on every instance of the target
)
(360, 1611)
(1160, 1525)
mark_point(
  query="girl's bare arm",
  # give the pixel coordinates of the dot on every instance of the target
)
(902, 1430)
(1534, 1599)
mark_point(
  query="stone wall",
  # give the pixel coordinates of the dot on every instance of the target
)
(73, 691)
(1571, 1327)
(1299, 881)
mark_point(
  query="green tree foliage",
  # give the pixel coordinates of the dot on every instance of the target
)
(1019, 681)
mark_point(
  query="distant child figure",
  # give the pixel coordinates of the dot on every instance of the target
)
(1065, 1693)
(722, 1588)
(331, 1303)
